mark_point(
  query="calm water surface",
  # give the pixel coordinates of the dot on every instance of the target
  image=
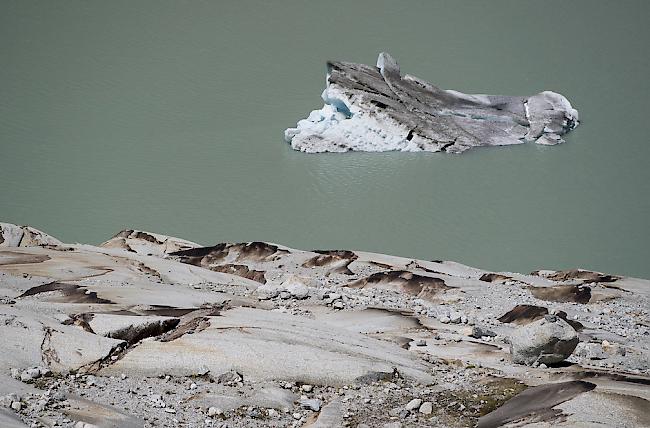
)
(168, 116)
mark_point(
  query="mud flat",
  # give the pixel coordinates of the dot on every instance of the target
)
(155, 331)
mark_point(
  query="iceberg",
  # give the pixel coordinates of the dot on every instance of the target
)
(376, 109)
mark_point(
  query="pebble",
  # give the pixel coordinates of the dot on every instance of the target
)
(213, 411)
(311, 404)
(16, 405)
(30, 374)
(414, 404)
(426, 408)
(307, 388)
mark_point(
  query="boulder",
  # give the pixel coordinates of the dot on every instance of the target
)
(141, 242)
(269, 346)
(267, 291)
(12, 235)
(297, 286)
(548, 340)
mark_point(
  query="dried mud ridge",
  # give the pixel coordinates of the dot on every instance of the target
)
(151, 330)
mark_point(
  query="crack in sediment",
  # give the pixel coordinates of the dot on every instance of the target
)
(48, 355)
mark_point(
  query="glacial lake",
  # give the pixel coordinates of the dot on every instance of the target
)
(168, 116)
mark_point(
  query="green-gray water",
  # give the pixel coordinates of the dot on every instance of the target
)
(168, 116)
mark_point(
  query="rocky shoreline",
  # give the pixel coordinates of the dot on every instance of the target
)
(150, 330)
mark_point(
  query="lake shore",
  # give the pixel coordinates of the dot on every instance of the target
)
(151, 330)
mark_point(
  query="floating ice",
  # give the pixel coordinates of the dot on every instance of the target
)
(375, 109)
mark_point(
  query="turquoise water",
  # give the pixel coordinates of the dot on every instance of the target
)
(168, 116)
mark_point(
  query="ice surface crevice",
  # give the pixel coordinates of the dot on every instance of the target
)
(370, 108)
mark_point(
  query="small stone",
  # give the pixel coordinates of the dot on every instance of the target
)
(413, 404)
(15, 373)
(213, 411)
(421, 342)
(426, 408)
(307, 388)
(311, 404)
(272, 413)
(123, 376)
(253, 413)
(297, 416)
(16, 405)
(478, 332)
(193, 385)
(229, 377)
(169, 410)
(455, 317)
(338, 305)
(444, 319)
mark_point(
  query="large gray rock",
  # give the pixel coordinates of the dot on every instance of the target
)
(548, 340)
(12, 235)
(141, 242)
(28, 339)
(266, 346)
(376, 109)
